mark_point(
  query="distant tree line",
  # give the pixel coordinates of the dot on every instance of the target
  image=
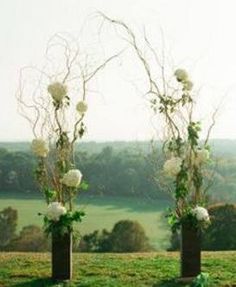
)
(124, 172)
(125, 236)
(110, 173)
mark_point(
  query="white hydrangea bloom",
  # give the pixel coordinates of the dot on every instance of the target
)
(201, 213)
(58, 91)
(188, 85)
(40, 147)
(172, 166)
(72, 178)
(181, 75)
(82, 107)
(202, 156)
(55, 210)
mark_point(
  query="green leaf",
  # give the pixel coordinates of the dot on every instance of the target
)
(84, 185)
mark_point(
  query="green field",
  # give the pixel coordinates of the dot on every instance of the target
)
(114, 270)
(103, 213)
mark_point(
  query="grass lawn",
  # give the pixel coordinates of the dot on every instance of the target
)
(114, 270)
(102, 213)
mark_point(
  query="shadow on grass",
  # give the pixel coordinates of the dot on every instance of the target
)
(169, 283)
(47, 282)
(42, 282)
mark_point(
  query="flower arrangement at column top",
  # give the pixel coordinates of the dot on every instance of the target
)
(56, 173)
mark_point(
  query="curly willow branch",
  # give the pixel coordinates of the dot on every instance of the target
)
(153, 86)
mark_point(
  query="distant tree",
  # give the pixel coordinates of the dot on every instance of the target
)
(128, 236)
(96, 242)
(105, 242)
(89, 242)
(8, 224)
(221, 234)
(31, 238)
(174, 241)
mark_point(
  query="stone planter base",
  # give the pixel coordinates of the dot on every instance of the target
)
(190, 252)
(62, 257)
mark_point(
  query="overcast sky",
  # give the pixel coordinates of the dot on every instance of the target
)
(200, 36)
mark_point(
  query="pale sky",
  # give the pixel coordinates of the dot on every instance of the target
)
(200, 36)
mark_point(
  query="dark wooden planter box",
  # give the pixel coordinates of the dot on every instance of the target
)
(62, 257)
(190, 251)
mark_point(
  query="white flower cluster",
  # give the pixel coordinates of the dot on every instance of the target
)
(55, 210)
(72, 178)
(82, 107)
(201, 214)
(40, 147)
(172, 166)
(201, 156)
(182, 77)
(58, 91)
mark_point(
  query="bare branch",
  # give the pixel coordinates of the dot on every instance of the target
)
(211, 126)
(100, 67)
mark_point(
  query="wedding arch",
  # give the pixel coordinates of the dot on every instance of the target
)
(53, 100)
